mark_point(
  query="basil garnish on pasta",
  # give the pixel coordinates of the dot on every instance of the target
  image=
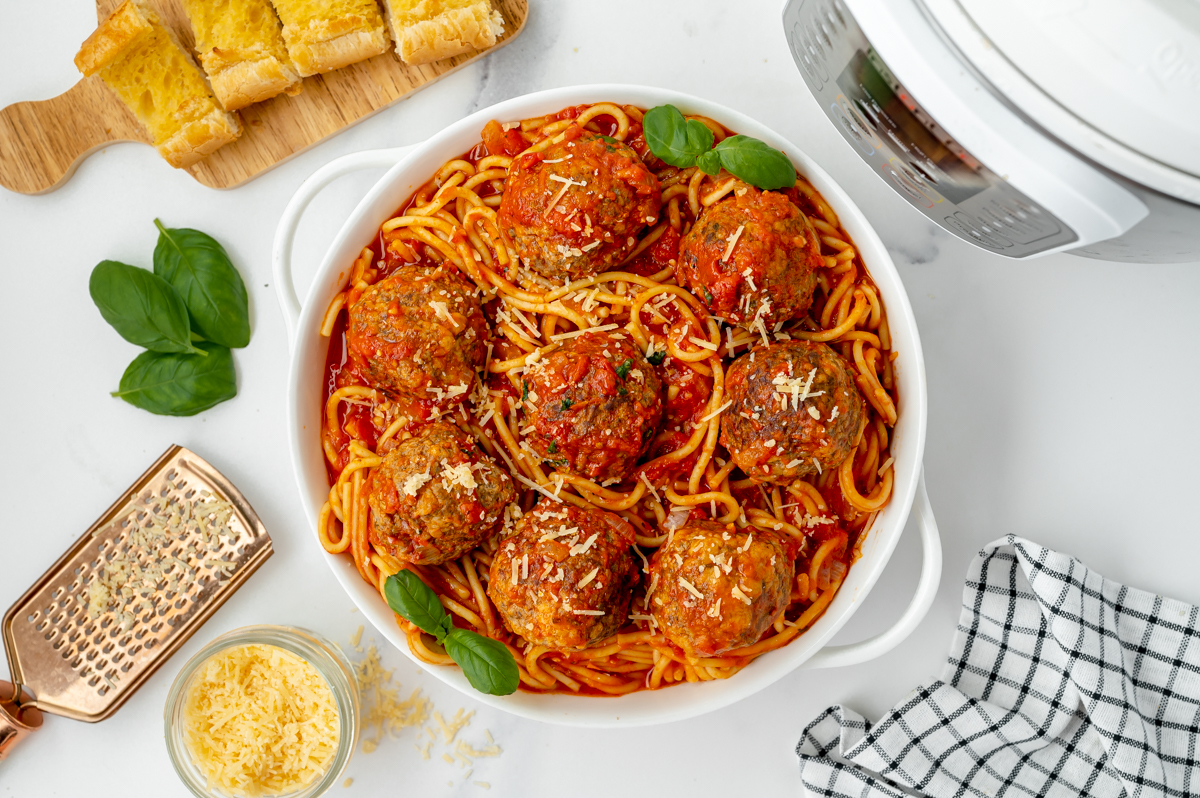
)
(684, 142)
(488, 664)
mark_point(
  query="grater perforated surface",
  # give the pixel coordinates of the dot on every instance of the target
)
(173, 549)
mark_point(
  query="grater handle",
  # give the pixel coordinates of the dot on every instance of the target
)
(19, 718)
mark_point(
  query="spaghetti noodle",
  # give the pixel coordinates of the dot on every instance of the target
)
(452, 222)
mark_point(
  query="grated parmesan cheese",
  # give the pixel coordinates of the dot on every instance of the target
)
(718, 411)
(384, 712)
(415, 482)
(458, 475)
(733, 239)
(451, 728)
(576, 333)
(259, 720)
(582, 548)
(587, 579)
(129, 579)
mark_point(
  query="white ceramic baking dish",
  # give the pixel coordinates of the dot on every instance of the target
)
(408, 168)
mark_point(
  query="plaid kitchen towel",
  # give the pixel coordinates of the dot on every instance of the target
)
(1060, 683)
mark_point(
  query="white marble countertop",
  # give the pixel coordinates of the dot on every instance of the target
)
(1062, 407)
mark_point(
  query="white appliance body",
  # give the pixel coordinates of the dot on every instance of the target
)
(1009, 148)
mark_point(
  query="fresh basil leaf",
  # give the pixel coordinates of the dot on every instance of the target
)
(756, 163)
(411, 599)
(488, 664)
(141, 306)
(709, 163)
(179, 384)
(623, 369)
(674, 139)
(211, 287)
(657, 358)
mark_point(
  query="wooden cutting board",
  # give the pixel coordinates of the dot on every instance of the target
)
(42, 143)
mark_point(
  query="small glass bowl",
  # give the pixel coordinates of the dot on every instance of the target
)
(314, 649)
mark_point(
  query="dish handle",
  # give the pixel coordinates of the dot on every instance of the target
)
(922, 600)
(285, 233)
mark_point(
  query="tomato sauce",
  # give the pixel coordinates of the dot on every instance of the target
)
(340, 370)
(685, 394)
(354, 419)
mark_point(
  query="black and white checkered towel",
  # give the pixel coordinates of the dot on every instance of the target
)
(1060, 683)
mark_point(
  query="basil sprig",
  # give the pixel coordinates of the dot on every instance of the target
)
(488, 664)
(687, 142)
(175, 384)
(200, 270)
(188, 312)
(142, 307)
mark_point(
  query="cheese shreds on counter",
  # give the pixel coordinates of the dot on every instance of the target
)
(384, 711)
(259, 720)
(451, 728)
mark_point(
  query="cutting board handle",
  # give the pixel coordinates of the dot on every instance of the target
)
(42, 142)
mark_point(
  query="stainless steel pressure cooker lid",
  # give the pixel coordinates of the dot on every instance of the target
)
(896, 84)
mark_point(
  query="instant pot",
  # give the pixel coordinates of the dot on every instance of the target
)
(1023, 127)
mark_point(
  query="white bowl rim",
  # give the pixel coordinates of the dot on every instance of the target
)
(682, 701)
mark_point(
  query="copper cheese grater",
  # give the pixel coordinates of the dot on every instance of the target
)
(131, 591)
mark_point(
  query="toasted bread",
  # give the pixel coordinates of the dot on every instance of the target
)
(323, 35)
(145, 64)
(430, 30)
(240, 44)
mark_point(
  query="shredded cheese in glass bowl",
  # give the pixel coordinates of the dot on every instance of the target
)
(263, 711)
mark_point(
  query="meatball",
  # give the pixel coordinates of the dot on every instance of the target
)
(594, 403)
(436, 496)
(717, 588)
(575, 209)
(796, 411)
(752, 255)
(565, 579)
(419, 334)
